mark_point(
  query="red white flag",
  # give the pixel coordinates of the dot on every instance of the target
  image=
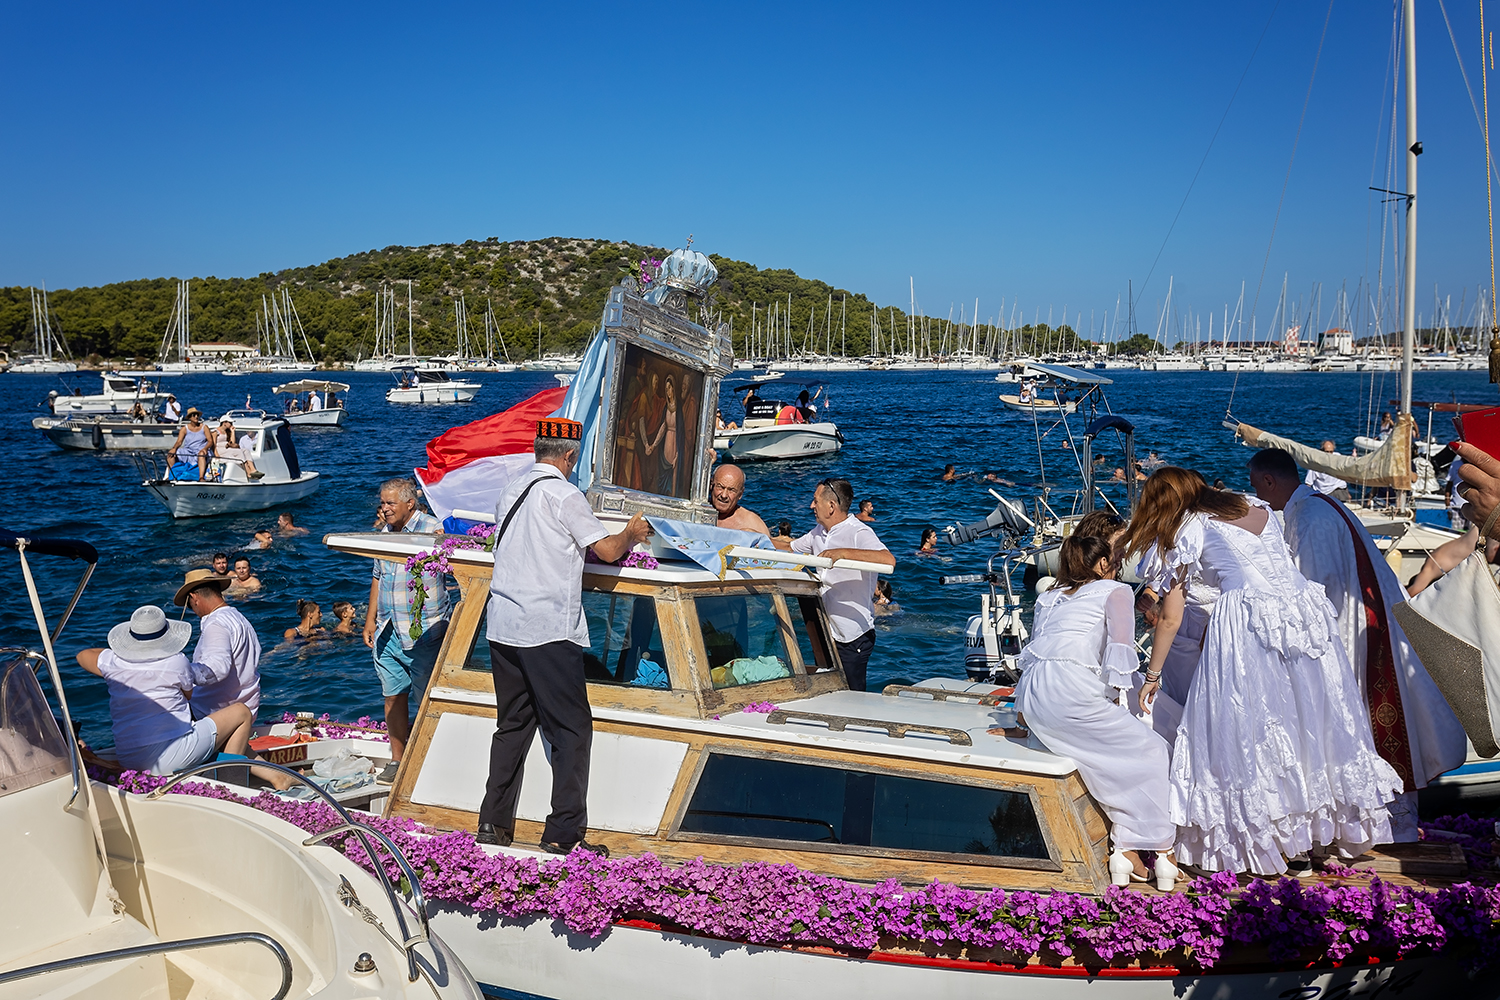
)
(469, 467)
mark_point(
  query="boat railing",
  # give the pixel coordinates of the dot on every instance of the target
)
(408, 939)
(986, 700)
(162, 948)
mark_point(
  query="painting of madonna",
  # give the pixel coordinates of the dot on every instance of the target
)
(656, 425)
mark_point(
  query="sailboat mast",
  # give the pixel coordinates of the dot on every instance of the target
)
(1413, 150)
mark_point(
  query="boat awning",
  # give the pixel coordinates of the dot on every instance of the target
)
(757, 386)
(1068, 374)
(311, 385)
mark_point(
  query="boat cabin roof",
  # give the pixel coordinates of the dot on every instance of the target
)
(312, 385)
(1066, 373)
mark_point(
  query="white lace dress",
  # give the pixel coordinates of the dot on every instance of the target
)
(1274, 754)
(1081, 655)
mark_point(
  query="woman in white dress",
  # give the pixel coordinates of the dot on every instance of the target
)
(1081, 656)
(1273, 755)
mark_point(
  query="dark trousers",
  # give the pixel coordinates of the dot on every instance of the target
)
(540, 686)
(855, 657)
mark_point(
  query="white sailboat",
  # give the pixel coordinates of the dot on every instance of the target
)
(47, 342)
(176, 345)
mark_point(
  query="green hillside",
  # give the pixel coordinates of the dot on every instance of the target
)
(555, 285)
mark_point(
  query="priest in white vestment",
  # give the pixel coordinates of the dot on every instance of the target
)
(1415, 730)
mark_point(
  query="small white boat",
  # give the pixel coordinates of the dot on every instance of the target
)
(82, 432)
(228, 489)
(318, 404)
(119, 393)
(429, 385)
(553, 363)
(1038, 404)
(123, 895)
(763, 436)
(763, 441)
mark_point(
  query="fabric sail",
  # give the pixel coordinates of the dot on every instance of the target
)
(1389, 465)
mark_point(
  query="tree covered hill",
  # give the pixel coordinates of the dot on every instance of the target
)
(554, 286)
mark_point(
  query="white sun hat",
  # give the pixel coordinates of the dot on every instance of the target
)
(149, 635)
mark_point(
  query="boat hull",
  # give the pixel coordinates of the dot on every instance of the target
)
(459, 392)
(540, 959)
(332, 416)
(102, 435)
(1038, 405)
(194, 499)
(781, 441)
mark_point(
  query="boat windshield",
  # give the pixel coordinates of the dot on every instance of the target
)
(625, 644)
(746, 640)
(32, 751)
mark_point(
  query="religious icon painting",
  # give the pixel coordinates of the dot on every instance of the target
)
(656, 424)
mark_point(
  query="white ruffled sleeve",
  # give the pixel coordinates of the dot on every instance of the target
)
(1121, 662)
(1161, 572)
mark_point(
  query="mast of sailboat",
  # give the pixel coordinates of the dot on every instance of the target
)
(1413, 150)
(411, 350)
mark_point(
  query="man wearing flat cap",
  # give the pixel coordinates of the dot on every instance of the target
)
(537, 634)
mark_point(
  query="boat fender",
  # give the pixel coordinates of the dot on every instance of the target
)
(1044, 584)
(838, 435)
(96, 436)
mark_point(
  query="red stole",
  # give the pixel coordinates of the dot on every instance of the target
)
(1387, 718)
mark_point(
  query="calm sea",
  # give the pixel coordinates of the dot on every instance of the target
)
(901, 429)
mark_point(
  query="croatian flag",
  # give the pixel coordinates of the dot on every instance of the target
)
(469, 467)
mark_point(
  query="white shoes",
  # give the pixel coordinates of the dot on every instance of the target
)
(1166, 872)
(1122, 871)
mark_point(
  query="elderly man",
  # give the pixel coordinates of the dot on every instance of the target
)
(1323, 482)
(405, 636)
(537, 634)
(1415, 730)
(725, 493)
(848, 595)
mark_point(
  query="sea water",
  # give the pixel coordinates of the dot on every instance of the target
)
(900, 430)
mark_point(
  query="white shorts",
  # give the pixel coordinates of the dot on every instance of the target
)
(188, 749)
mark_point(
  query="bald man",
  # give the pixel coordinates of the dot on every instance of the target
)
(725, 492)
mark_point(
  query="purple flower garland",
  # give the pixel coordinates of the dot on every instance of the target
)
(770, 904)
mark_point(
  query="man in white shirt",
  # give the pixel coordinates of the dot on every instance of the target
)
(226, 661)
(314, 402)
(172, 410)
(537, 634)
(1414, 728)
(1323, 482)
(848, 595)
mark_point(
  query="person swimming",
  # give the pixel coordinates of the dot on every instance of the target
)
(344, 612)
(884, 602)
(311, 625)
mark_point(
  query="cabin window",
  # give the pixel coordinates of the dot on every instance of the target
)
(746, 640)
(807, 625)
(625, 644)
(774, 799)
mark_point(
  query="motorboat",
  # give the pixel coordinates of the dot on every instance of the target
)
(115, 894)
(317, 400)
(99, 432)
(429, 385)
(1052, 388)
(120, 393)
(775, 430)
(38, 365)
(553, 363)
(1173, 362)
(228, 489)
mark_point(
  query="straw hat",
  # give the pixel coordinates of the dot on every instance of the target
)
(197, 578)
(149, 635)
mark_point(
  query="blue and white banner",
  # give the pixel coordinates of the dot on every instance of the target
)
(704, 544)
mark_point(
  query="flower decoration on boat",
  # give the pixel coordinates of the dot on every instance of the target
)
(434, 563)
(650, 269)
(325, 727)
(782, 905)
(760, 707)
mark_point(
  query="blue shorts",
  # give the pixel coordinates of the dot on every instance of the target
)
(401, 670)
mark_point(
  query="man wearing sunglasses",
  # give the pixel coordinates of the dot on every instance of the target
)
(848, 595)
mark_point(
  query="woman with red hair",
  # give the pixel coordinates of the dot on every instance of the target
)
(1271, 758)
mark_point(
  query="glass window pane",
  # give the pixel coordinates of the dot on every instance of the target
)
(744, 637)
(32, 750)
(625, 641)
(775, 799)
(807, 627)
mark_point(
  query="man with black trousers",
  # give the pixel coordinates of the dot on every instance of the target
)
(537, 634)
(848, 594)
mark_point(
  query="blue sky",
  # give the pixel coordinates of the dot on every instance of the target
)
(1034, 153)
